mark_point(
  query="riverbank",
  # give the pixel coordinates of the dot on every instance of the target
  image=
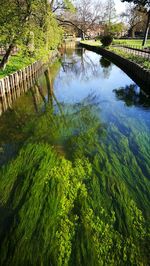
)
(18, 62)
(136, 58)
(133, 56)
(13, 85)
(133, 69)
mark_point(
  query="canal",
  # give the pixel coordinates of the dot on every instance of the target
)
(75, 168)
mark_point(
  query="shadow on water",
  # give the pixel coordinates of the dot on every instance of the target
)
(76, 189)
(133, 96)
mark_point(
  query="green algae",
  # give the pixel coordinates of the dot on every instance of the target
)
(77, 191)
(85, 205)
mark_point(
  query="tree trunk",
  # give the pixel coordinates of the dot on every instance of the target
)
(49, 86)
(146, 30)
(131, 32)
(83, 35)
(6, 57)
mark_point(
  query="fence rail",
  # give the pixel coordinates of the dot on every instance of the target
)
(145, 53)
(14, 85)
(140, 75)
(131, 46)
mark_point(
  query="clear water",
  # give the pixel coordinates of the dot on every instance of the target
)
(88, 135)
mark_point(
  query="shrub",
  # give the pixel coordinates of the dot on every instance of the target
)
(106, 40)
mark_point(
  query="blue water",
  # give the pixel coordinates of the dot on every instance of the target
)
(75, 181)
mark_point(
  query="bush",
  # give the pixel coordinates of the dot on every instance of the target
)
(106, 40)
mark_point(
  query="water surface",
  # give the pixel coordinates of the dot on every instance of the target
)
(74, 186)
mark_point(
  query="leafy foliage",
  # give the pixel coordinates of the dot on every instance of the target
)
(30, 25)
(114, 29)
(106, 40)
(144, 3)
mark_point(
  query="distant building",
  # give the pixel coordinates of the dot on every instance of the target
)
(96, 30)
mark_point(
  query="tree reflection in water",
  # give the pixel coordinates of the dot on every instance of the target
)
(132, 96)
(80, 64)
(23, 111)
(107, 67)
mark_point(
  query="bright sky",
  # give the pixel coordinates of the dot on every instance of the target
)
(120, 6)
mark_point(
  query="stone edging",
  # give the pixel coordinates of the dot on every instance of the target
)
(139, 74)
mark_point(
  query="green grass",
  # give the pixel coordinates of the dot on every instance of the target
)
(137, 42)
(119, 41)
(136, 59)
(18, 62)
(15, 63)
(92, 42)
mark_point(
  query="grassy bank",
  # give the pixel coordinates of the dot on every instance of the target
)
(129, 42)
(92, 42)
(135, 42)
(134, 58)
(15, 63)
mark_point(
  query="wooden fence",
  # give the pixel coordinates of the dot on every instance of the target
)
(14, 85)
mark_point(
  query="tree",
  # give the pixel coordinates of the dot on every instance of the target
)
(114, 29)
(28, 24)
(110, 13)
(134, 17)
(61, 5)
(88, 15)
(146, 5)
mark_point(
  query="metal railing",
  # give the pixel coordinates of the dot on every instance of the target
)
(135, 50)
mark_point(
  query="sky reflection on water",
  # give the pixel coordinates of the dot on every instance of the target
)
(91, 74)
